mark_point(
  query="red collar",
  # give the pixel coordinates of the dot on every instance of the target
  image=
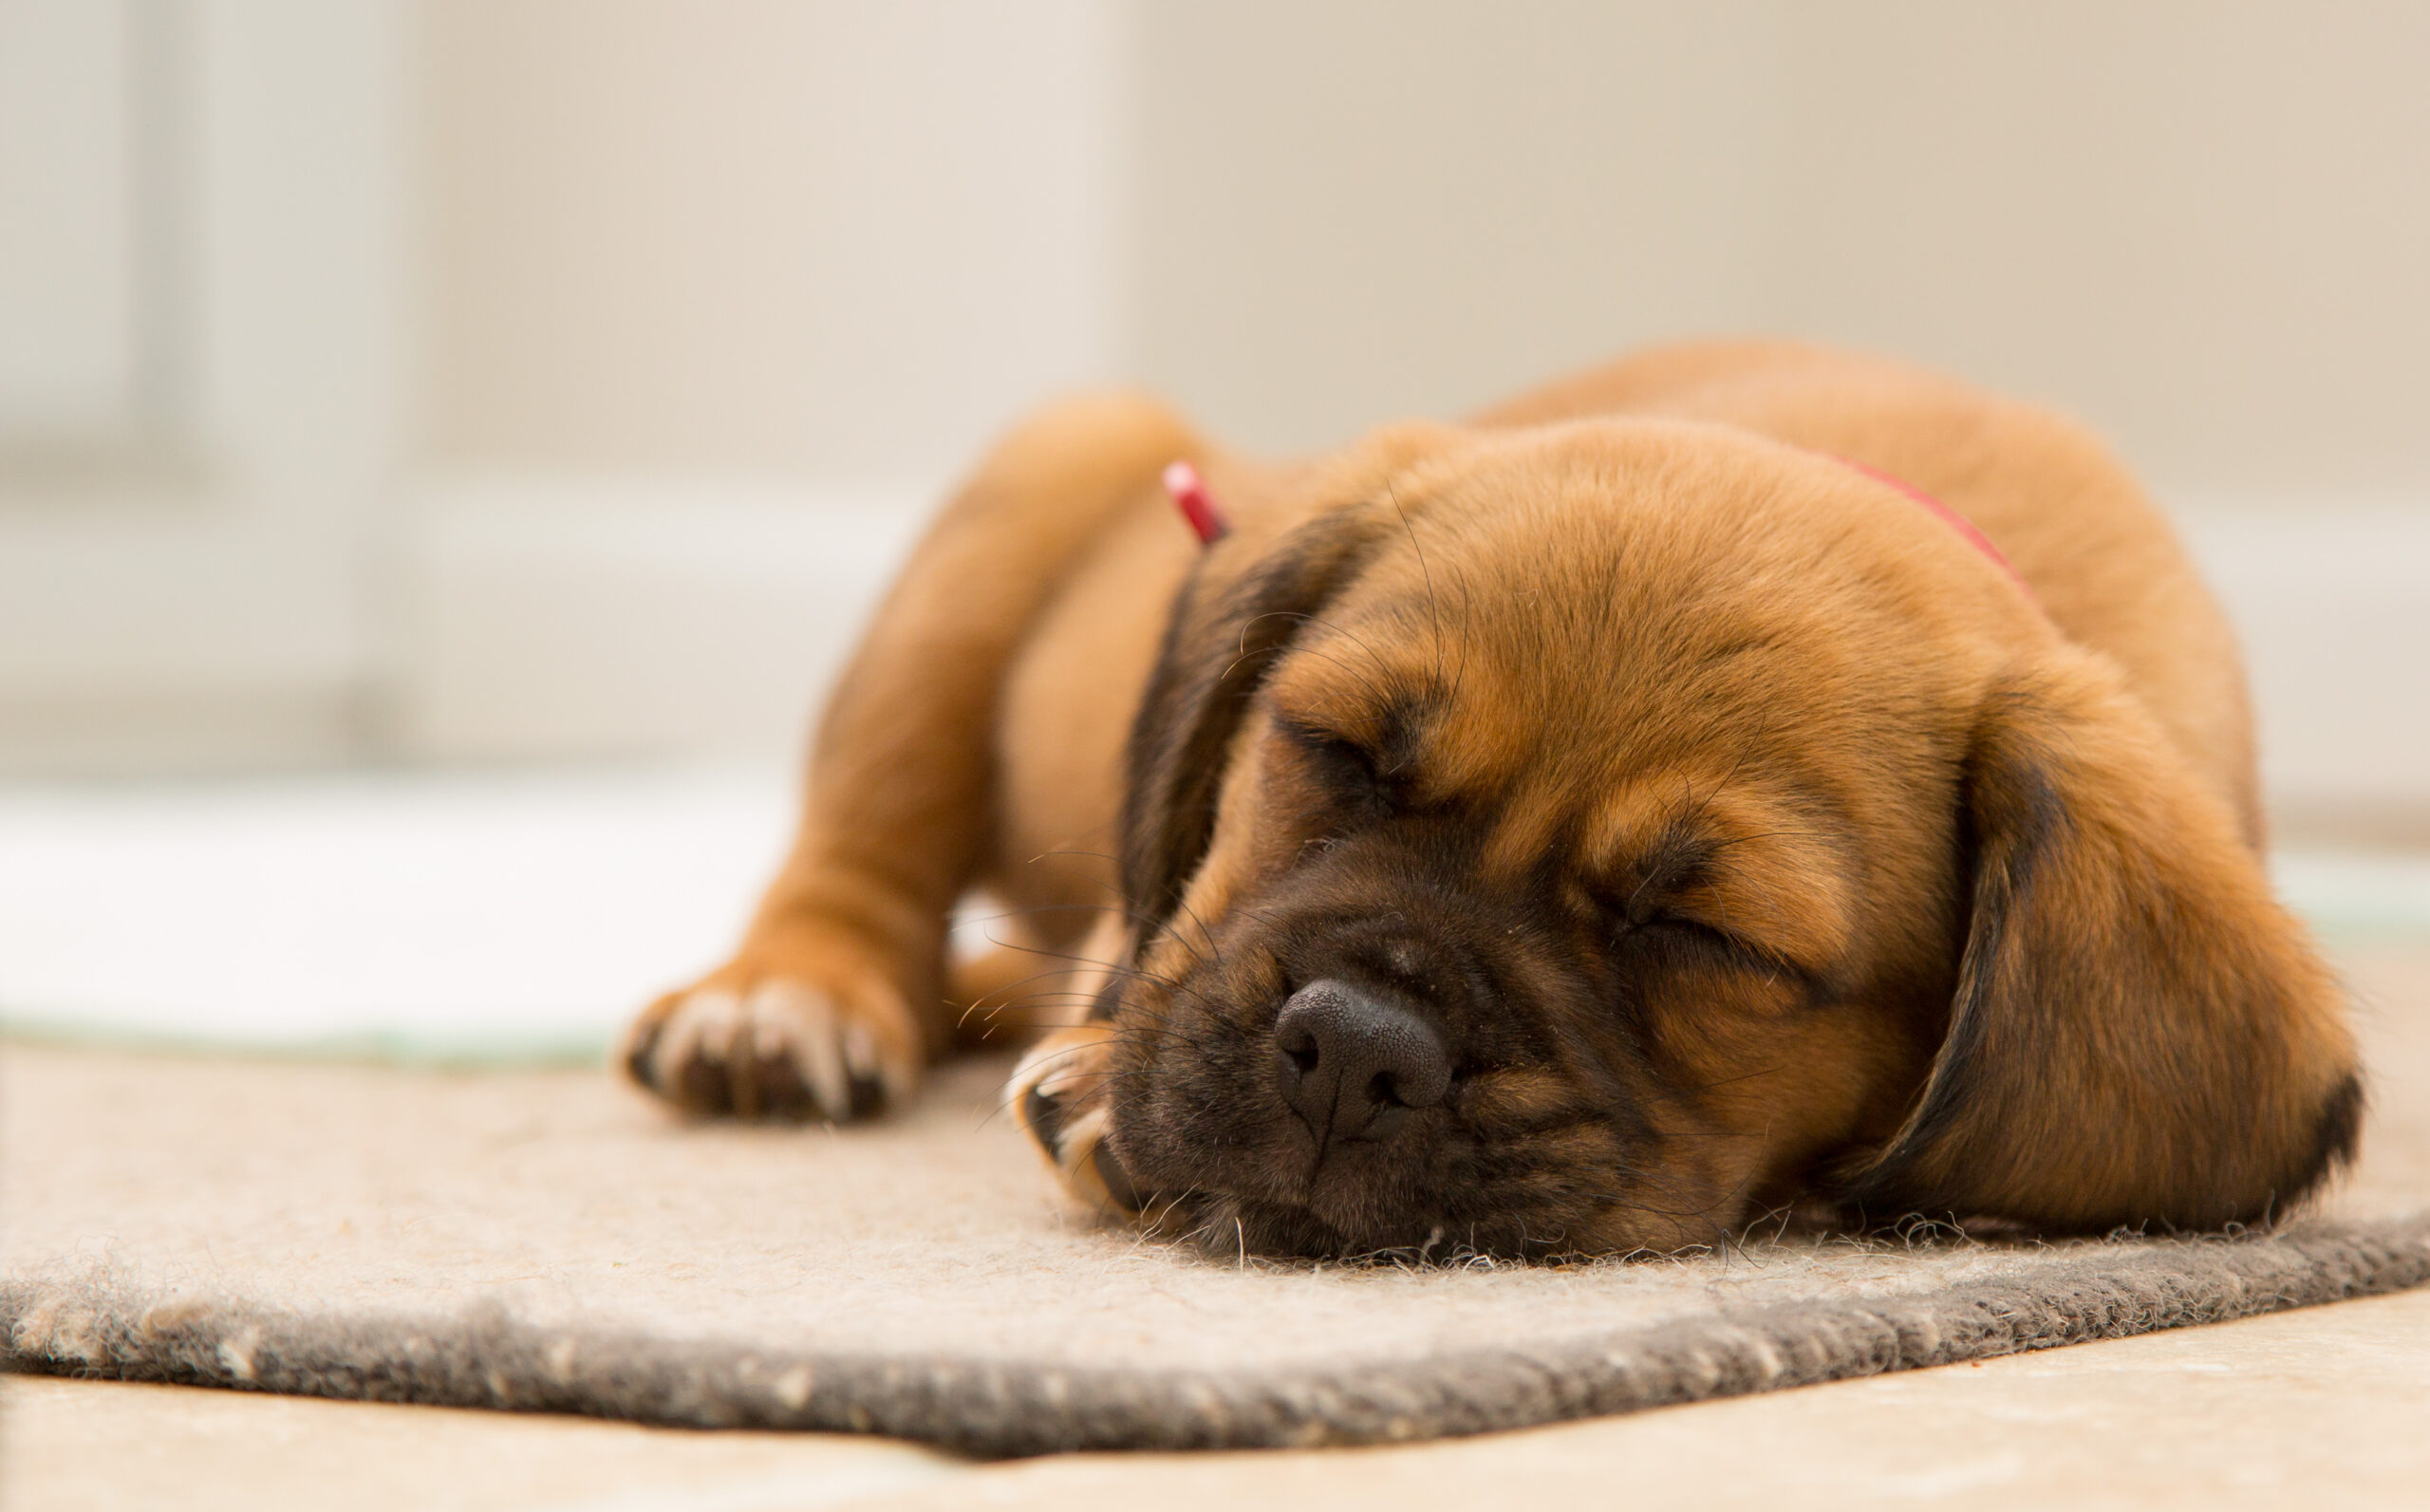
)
(1188, 494)
(1948, 516)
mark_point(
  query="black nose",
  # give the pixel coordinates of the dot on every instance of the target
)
(1355, 1064)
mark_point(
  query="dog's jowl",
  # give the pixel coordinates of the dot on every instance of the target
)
(1740, 777)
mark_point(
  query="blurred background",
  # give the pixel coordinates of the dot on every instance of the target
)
(445, 446)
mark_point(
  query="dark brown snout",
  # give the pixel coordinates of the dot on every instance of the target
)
(1354, 1063)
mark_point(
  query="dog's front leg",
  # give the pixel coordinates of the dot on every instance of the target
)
(834, 1003)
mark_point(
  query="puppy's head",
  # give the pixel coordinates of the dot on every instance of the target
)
(1577, 840)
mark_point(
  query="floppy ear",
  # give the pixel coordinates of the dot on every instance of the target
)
(2139, 1035)
(1230, 624)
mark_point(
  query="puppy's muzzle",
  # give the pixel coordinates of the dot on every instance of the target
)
(1354, 1063)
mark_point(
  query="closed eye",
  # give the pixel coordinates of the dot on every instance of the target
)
(1665, 929)
(1696, 930)
(1680, 939)
(1345, 766)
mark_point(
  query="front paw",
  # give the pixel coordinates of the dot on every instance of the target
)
(759, 1043)
(1060, 1092)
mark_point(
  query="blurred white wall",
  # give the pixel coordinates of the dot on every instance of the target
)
(2202, 225)
(717, 301)
(836, 240)
(1350, 211)
(69, 144)
(205, 282)
(701, 304)
(816, 238)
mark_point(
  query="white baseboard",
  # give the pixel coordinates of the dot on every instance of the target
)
(177, 632)
(2332, 604)
(188, 727)
(540, 621)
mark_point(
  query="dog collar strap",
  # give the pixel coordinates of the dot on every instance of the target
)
(1948, 516)
(1197, 506)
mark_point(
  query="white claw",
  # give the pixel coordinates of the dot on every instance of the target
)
(869, 1063)
(860, 1054)
(701, 1025)
(804, 1024)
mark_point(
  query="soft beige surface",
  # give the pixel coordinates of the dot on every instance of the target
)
(410, 1187)
(574, 1199)
(340, 1187)
(2322, 1407)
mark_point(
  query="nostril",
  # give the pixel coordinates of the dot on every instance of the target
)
(1384, 1092)
(1297, 1043)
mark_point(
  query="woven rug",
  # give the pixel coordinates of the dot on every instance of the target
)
(546, 1241)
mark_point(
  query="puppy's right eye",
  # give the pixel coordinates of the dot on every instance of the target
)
(1346, 768)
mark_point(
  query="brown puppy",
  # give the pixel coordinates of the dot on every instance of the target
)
(1579, 830)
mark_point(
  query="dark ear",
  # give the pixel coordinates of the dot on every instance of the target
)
(1232, 621)
(2140, 1034)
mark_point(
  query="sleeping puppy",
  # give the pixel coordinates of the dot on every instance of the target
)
(1741, 776)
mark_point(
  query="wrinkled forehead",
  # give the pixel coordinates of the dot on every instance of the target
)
(1539, 645)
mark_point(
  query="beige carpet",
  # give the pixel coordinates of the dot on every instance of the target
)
(546, 1240)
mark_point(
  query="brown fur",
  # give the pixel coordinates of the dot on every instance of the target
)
(1745, 833)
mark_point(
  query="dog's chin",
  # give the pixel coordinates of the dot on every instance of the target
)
(1251, 1190)
(1230, 1225)
(1224, 1226)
